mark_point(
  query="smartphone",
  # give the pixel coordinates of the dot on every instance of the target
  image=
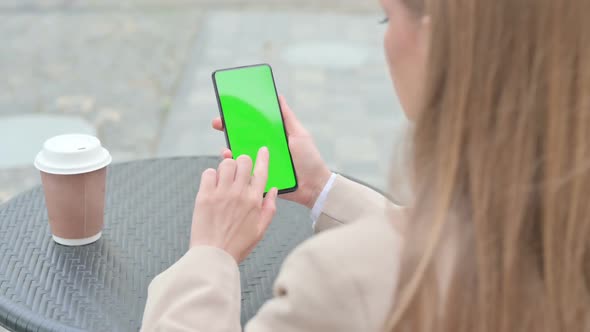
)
(251, 114)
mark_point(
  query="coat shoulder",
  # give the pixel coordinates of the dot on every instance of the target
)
(358, 263)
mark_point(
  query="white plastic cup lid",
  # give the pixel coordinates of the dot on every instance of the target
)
(72, 154)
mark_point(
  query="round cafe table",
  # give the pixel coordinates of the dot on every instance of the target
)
(103, 286)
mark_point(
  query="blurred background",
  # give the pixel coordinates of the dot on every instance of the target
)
(137, 74)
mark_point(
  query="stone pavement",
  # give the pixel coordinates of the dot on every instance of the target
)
(116, 71)
(330, 67)
(137, 73)
(354, 6)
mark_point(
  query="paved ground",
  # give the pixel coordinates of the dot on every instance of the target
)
(137, 73)
(354, 6)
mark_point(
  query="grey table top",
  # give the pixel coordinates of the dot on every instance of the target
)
(103, 286)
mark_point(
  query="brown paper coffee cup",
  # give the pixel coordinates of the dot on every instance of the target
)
(75, 206)
(73, 173)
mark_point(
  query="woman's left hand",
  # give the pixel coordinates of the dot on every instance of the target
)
(230, 211)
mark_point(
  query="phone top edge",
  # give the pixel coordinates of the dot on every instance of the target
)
(241, 67)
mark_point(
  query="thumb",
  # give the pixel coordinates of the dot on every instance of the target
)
(269, 207)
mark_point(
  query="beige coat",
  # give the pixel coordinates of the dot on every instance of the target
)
(340, 280)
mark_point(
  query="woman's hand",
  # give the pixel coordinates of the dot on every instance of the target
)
(312, 171)
(230, 211)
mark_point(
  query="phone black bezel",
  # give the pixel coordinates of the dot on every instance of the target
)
(281, 191)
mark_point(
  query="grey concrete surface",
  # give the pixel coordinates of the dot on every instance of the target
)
(353, 6)
(138, 74)
(330, 67)
(116, 71)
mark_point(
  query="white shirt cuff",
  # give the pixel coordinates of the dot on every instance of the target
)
(319, 203)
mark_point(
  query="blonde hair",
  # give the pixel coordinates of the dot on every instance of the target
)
(500, 235)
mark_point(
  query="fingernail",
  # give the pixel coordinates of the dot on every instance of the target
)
(275, 192)
(264, 149)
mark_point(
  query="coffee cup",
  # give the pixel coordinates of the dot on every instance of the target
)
(73, 172)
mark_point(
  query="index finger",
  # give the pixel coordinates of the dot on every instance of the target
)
(260, 171)
(217, 124)
(208, 179)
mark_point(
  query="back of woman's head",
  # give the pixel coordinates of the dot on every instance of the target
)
(500, 237)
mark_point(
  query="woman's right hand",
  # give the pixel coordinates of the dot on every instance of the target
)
(312, 171)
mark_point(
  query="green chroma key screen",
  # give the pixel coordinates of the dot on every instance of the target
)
(250, 110)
